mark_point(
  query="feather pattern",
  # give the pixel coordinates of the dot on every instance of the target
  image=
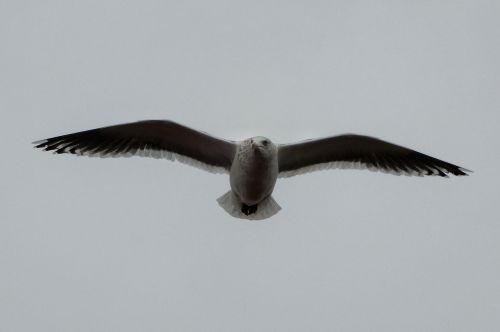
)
(359, 152)
(153, 138)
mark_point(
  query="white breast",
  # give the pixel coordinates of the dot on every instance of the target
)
(254, 173)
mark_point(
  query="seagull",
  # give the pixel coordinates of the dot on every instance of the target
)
(253, 164)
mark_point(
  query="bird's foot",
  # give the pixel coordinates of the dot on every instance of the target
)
(248, 209)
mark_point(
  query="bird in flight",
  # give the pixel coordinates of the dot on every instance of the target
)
(253, 164)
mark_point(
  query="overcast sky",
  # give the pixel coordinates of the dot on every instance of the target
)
(139, 244)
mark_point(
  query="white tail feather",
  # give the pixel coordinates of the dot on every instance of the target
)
(265, 209)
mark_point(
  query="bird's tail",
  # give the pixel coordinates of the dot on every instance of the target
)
(232, 204)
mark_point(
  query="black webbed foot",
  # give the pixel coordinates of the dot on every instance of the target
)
(247, 210)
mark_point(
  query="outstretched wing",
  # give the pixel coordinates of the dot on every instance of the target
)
(355, 151)
(153, 138)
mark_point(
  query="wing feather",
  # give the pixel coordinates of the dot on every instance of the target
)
(356, 151)
(153, 138)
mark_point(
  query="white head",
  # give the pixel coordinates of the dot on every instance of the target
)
(262, 146)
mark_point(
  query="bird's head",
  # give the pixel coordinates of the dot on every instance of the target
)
(262, 145)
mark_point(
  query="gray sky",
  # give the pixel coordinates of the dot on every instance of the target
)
(141, 245)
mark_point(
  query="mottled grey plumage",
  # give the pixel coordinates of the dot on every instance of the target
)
(253, 164)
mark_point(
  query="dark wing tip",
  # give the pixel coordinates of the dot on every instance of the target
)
(463, 171)
(457, 170)
(56, 144)
(40, 143)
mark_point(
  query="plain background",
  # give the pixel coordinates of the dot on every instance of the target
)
(141, 245)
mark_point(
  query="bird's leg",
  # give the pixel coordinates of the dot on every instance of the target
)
(247, 210)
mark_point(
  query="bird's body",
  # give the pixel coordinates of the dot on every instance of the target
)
(253, 164)
(254, 170)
